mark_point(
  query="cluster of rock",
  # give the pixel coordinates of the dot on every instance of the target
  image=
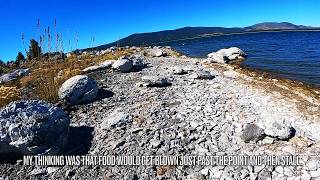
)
(37, 127)
(156, 51)
(14, 75)
(123, 64)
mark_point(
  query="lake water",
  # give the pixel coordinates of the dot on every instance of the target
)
(293, 55)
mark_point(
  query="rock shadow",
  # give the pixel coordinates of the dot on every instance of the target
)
(79, 140)
(10, 158)
(102, 94)
(79, 143)
(159, 85)
(140, 67)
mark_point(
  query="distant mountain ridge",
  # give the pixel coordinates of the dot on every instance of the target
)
(153, 38)
(276, 26)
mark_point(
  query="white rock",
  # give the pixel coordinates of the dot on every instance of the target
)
(38, 171)
(202, 75)
(288, 171)
(155, 143)
(51, 170)
(122, 65)
(231, 74)
(178, 70)
(69, 55)
(155, 81)
(226, 55)
(216, 175)
(115, 119)
(312, 165)
(194, 124)
(105, 65)
(78, 89)
(267, 140)
(275, 125)
(305, 175)
(279, 169)
(216, 57)
(315, 174)
(14, 75)
(205, 171)
(159, 53)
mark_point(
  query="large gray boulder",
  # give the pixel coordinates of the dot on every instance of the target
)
(32, 127)
(275, 125)
(253, 133)
(227, 55)
(78, 89)
(138, 63)
(123, 65)
(14, 75)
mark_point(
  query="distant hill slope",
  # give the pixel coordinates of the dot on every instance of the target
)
(275, 26)
(169, 35)
(153, 38)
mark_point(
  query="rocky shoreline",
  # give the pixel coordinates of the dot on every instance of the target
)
(185, 106)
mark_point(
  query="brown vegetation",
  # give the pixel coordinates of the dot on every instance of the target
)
(47, 76)
(9, 94)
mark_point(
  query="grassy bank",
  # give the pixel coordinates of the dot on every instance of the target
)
(47, 76)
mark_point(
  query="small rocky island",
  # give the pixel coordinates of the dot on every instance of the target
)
(155, 102)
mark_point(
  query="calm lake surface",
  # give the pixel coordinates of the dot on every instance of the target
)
(293, 55)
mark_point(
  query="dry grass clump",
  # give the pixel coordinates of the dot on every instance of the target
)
(47, 76)
(8, 94)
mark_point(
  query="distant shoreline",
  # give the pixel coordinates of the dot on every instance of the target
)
(258, 51)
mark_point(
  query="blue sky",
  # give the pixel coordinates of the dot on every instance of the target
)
(109, 20)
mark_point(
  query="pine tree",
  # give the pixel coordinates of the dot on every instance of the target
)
(20, 59)
(2, 64)
(34, 49)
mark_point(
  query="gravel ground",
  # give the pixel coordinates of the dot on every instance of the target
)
(189, 117)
